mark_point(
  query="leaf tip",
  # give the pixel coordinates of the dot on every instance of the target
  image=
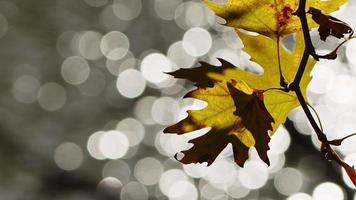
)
(350, 172)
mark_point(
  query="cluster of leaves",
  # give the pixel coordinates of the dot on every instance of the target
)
(245, 109)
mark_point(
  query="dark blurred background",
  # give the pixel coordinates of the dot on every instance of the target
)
(83, 101)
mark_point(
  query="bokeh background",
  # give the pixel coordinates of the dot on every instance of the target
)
(84, 100)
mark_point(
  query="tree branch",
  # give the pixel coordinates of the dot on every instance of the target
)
(309, 50)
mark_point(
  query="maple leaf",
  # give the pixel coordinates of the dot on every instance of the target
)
(255, 117)
(226, 126)
(272, 18)
(329, 25)
(226, 112)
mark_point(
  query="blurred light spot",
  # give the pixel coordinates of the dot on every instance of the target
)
(169, 145)
(345, 126)
(227, 152)
(110, 21)
(110, 184)
(164, 110)
(193, 14)
(301, 122)
(183, 190)
(229, 55)
(222, 173)
(93, 145)
(210, 192)
(118, 169)
(148, 171)
(195, 170)
(170, 177)
(174, 89)
(169, 82)
(74, 42)
(328, 191)
(249, 65)
(64, 43)
(115, 67)
(127, 10)
(154, 66)
(327, 117)
(237, 190)
(288, 181)
(115, 45)
(300, 196)
(197, 42)
(51, 96)
(130, 83)
(25, 89)
(350, 51)
(96, 3)
(231, 38)
(253, 155)
(75, 70)
(68, 156)
(277, 162)
(134, 191)
(143, 109)
(94, 84)
(343, 89)
(177, 54)
(194, 104)
(197, 14)
(165, 8)
(133, 129)
(322, 79)
(133, 150)
(4, 26)
(254, 175)
(113, 144)
(280, 141)
(89, 45)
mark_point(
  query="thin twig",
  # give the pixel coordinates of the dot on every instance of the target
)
(317, 116)
(332, 55)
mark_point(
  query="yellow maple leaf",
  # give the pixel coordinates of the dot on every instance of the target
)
(219, 114)
(273, 18)
(263, 51)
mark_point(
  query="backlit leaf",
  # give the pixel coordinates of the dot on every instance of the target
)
(255, 117)
(219, 115)
(226, 112)
(272, 18)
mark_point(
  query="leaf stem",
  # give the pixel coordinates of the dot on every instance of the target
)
(282, 80)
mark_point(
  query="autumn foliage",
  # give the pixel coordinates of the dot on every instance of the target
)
(245, 109)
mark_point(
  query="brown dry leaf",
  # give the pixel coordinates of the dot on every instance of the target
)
(330, 26)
